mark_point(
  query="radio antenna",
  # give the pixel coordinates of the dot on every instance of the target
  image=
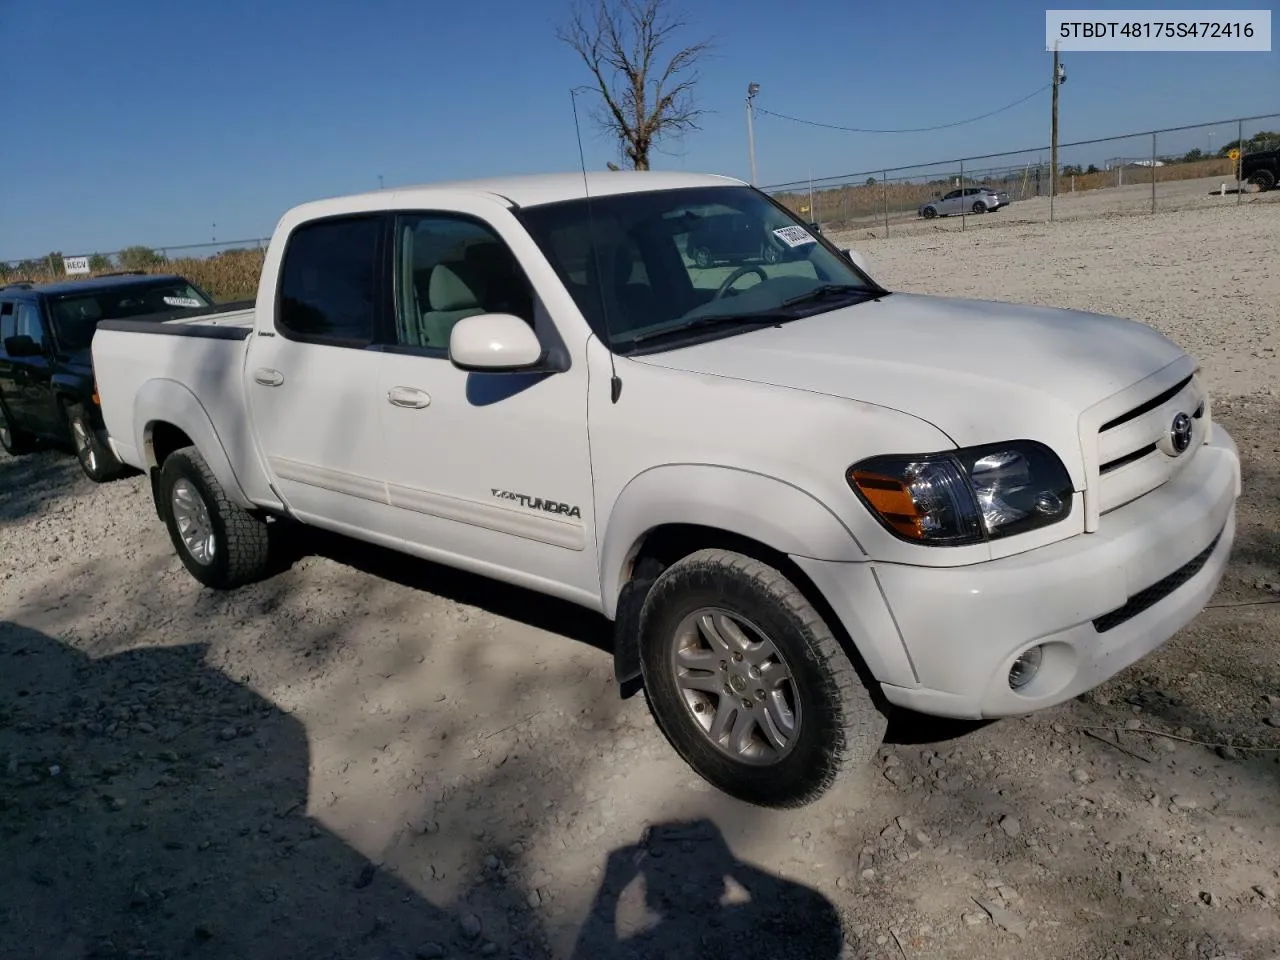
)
(615, 384)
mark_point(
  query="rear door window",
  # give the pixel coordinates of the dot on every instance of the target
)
(328, 282)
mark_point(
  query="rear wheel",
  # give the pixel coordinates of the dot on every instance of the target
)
(1263, 180)
(749, 685)
(15, 442)
(219, 542)
(96, 459)
(979, 207)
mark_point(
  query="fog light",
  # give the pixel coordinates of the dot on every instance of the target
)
(1025, 668)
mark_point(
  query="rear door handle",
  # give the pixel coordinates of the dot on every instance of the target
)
(410, 397)
(268, 377)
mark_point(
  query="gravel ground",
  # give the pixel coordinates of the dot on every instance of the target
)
(370, 756)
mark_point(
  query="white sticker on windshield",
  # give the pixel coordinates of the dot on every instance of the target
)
(183, 302)
(794, 236)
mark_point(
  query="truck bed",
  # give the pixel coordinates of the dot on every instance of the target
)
(192, 364)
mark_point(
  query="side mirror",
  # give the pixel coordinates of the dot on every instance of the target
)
(858, 260)
(22, 346)
(815, 227)
(494, 343)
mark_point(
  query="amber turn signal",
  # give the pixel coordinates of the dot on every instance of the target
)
(890, 498)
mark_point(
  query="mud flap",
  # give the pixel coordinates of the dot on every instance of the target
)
(626, 636)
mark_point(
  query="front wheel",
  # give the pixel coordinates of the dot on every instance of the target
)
(15, 442)
(96, 459)
(928, 213)
(748, 684)
(219, 542)
(1264, 180)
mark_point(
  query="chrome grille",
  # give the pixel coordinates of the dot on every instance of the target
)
(1138, 451)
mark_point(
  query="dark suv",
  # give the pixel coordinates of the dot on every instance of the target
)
(47, 389)
(1261, 168)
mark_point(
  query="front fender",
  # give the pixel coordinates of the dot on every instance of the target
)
(168, 401)
(765, 509)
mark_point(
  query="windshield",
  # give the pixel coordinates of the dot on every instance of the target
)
(669, 261)
(76, 315)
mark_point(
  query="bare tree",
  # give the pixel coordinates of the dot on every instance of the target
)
(620, 42)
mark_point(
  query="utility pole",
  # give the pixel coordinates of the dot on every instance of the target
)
(1059, 77)
(752, 90)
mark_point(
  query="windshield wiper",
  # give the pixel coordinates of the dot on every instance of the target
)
(767, 318)
(825, 290)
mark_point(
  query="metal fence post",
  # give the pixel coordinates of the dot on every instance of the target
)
(884, 188)
(1153, 173)
(963, 207)
(1240, 150)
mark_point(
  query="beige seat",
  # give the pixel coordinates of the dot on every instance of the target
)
(453, 293)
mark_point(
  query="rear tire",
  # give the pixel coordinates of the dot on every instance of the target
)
(96, 459)
(220, 543)
(1264, 180)
(15, 442)
(979, 207)
(807, 721)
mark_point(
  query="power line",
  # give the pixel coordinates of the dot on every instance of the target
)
(940, 126)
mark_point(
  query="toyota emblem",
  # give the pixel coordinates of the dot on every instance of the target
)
(1180, 433)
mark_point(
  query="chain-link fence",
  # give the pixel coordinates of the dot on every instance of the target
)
(228, 270)
(1171, 169)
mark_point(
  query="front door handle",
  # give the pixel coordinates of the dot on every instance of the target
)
(410, 397)
(268, 377)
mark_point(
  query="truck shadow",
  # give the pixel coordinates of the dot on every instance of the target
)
(123, 838)
(500, 599)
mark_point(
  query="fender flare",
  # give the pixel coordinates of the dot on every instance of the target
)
(770, 511)
(168, 401)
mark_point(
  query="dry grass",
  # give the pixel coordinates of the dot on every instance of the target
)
(856, 202)
(228, 276)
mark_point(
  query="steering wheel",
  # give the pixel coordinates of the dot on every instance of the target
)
(733, 278)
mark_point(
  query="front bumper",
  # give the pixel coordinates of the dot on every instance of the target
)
(1097, 602)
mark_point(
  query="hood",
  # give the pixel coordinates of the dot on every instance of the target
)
(979, 371)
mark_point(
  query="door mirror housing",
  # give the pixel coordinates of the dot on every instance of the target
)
(22, 346)
(858, 260)
(495, 343)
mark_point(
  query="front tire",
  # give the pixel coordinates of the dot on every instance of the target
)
(748, 684)
(15, 442)
(928, 213)
(96, 459)
(1264, 180)
(220, 543)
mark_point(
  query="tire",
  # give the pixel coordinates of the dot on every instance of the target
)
(702, 257)
(96, 459)
(979, 207)
(15, 442)
(229, 544)
(836, 727)
(928, 213)
(1264, 180)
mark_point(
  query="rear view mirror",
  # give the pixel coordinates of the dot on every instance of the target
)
(22, 346)
(494, 343)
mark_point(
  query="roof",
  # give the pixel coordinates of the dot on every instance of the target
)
(89, 284)
(531, 190)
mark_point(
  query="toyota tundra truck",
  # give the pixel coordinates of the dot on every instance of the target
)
(801, 499)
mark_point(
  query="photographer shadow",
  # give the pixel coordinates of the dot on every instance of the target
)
(698, 900)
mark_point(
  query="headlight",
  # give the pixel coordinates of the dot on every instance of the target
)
(965, 496)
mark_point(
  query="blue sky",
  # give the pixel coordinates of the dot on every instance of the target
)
(147, 122)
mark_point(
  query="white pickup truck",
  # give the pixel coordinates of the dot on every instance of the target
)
(801, 498)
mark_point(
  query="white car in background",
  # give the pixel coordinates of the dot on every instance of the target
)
(964, 200)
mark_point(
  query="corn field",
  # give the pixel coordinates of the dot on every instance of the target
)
(228, 276)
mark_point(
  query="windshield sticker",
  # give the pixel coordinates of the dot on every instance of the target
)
(182, 302)
(794, 236)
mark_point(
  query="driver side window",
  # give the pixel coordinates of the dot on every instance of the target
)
(449, 267)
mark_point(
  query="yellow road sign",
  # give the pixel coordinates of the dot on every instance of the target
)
(1233, 153)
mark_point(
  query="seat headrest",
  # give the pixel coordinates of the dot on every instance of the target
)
(448, 291)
